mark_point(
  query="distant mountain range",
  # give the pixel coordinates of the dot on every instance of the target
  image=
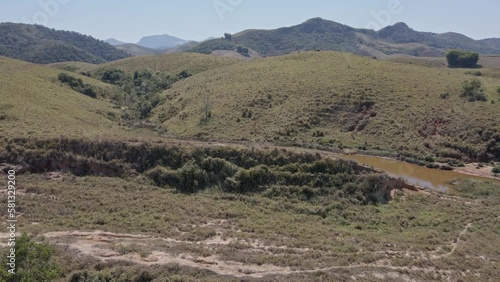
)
(161, 42)
(320, 34)
(38, 44)
(154, 44)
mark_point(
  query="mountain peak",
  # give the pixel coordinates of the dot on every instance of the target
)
(317, 19)
(319, 25)
(399, 27)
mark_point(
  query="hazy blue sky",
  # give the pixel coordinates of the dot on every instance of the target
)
(129, 20)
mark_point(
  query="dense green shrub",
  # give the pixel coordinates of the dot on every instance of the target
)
(113, 76)
(243, 50)
(33, 262)
(163, 177)
(496, 170)
(254, 179)
(473, 90)
(185, 74)
(220, 168)
(192, 178)
(141, 91)
(462, 59)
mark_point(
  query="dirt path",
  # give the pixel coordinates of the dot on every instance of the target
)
(103, 246)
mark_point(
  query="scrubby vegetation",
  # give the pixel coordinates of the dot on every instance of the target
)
(38, 44)
(243, 50)
(473, 90)
(140, 91)
(283, 228)
(34, 261)
(196, 169)
(496, 170)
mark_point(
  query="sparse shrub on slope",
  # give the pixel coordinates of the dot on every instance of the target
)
(473, 90)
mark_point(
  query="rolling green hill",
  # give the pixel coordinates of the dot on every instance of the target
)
(38, 44)
(219, 211)
(338, 100)
(320, 34)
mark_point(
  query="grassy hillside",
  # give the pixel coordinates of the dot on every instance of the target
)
(170, 63)
(220, 212)
(74, 66)
(38, 44)
(338, 100)
(33, 103)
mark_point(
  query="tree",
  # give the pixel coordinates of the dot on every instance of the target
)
(462, 59)
(473, 90)
(33, 262)
(228, 36)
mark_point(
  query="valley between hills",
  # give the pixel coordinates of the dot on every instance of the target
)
(200, 167)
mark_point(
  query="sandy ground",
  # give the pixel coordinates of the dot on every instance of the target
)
(475, 170)
(102, 246)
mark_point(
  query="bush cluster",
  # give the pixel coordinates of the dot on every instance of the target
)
(78, 85)
(190, 170)
(462, 59)
(473, 90)
(140, 91)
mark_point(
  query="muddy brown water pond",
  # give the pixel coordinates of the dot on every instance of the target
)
(437, 180)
